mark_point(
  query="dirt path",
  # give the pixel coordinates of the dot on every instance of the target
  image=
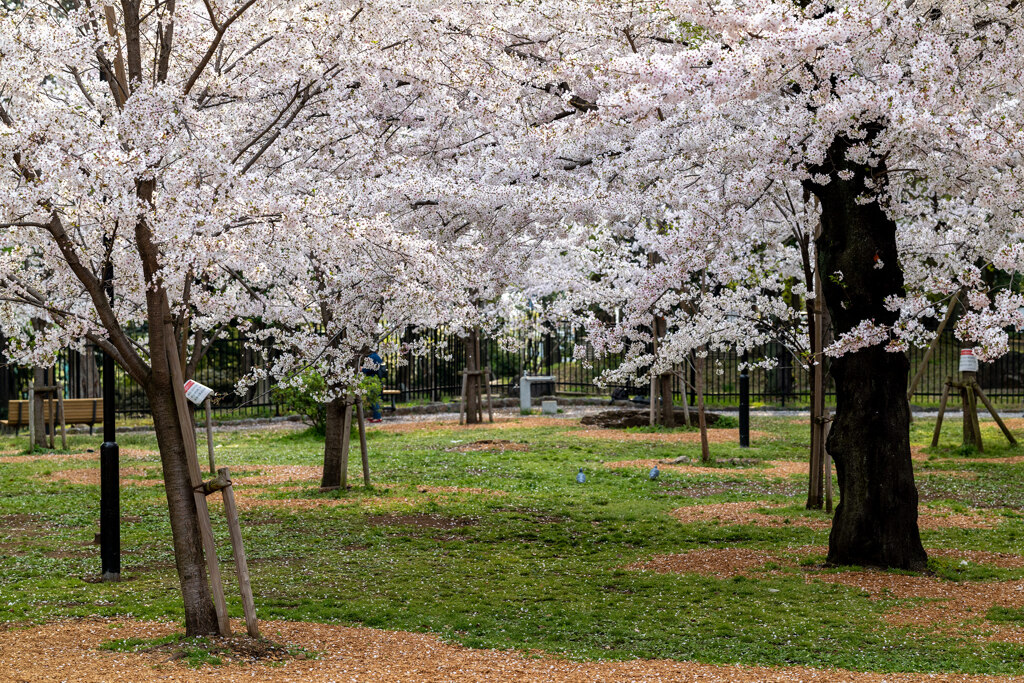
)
(66, 651)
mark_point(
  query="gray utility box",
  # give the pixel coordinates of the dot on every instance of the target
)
(530, 382)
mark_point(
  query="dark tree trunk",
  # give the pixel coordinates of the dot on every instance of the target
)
(876, 521)
(39, 408)
(200, 616)
(334, 443)
(7, 390)
(666, 414)
(473, 398)
(88, 380)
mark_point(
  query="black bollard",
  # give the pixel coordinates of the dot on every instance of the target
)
(110, 475)
(744, 404)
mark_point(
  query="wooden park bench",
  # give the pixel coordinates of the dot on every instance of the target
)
(76, 411)
(393, 394)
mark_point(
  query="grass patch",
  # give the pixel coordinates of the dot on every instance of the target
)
(505, 550)
(1005, 615)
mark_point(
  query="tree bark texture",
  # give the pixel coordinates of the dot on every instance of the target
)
(666, 414)
(200, 616)
(334, 443)
(474, 407)
(39, 408)
(876, 521)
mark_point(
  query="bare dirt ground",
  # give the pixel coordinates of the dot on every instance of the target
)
(67, 651)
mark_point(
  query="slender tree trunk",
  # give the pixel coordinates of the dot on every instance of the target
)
(705, 449)
(200, 616)
(815, 483)
(876, 521)
(334, 443)
(667, 416)
(88, 375)
(6, 377)
(473, 404)
(39, 408)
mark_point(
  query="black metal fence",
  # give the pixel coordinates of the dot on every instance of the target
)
(436, 376)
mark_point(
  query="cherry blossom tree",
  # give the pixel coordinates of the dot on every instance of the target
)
(902, 121)
(162, 141)
(333, 291)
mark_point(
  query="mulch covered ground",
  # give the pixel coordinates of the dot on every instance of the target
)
(9, 457)
(67, 651)
(490, 445)
(714, 436)
(749, 512)
(777, 469)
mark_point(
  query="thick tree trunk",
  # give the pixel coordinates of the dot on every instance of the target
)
(876, 521)
(200, 616)
(474, 407)
(668, 415)
(334, 444)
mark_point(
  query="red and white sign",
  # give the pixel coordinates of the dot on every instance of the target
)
(968, 361)
(196, 392)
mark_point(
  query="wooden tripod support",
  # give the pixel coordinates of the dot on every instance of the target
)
(346, 443)
(51, 391)
(970, 391)
(478, 376)
(200, 489)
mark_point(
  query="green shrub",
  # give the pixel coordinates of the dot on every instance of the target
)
(303, 400)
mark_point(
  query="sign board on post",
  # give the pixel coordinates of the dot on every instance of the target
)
(968, 361)
(196, 392)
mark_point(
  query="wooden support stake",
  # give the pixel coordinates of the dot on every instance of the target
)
(346, 437)
(361, 417)
(53, 418)
(60, 408)
(31, 417)
(209, 435)
(490, 408)
(196, 479)
(686, 398)
(652, 418)
(463, 408)
(994, 414)
(931, 347)
(238, 550)
(479, 383)
(942, 413)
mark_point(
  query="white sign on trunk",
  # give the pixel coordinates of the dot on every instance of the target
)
(196, 392)
(968, 361)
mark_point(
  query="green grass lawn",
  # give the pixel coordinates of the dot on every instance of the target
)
(525, 559)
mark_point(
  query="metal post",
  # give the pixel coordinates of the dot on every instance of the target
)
(744, 404)
(110, 476)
